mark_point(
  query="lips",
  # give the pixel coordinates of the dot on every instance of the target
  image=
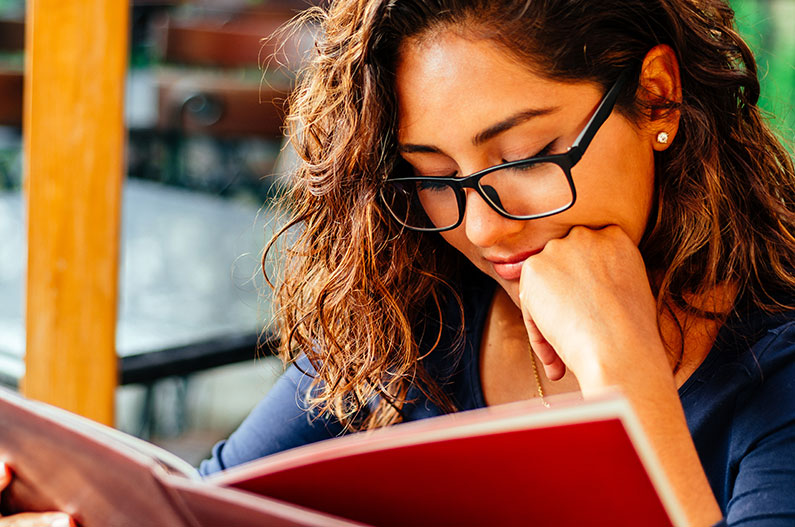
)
(510, 268)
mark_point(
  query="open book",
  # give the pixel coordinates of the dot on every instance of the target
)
(575, 463)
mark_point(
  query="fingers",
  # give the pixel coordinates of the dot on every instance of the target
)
(554, 367)
(31, 519)
(38, 519)
(5, 476)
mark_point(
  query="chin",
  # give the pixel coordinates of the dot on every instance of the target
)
(512, 290)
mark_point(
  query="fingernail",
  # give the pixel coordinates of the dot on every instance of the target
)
(62, 521)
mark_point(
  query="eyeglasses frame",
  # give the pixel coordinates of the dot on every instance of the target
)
(565, 161)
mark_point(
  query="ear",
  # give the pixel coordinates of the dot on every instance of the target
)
(660, 90)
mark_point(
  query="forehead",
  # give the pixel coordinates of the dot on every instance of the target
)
(449, 79)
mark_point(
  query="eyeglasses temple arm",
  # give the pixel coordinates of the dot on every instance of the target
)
(600, 116)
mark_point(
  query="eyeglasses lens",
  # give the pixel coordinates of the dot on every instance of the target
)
(527, 190)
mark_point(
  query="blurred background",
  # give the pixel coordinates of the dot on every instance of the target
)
(204, 95)
(204, 135)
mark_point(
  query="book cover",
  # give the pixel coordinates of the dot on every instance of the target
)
(576, 463)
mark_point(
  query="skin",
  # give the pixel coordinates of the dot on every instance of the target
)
(582, 298)
(30, 519)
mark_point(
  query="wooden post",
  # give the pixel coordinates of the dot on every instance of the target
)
(76, 56)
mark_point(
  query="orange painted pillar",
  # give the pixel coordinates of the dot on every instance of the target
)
(76, 57)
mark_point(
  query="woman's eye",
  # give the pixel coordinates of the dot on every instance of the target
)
(435, 173)
(431, 185)
(547, 150)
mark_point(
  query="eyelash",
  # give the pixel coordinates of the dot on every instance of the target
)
(547, 150)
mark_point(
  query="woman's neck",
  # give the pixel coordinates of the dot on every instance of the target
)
(688, 337)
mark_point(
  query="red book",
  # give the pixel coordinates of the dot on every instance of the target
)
(572, 464)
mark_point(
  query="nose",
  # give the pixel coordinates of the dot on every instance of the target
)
(483, 225)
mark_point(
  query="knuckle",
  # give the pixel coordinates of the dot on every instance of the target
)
(580, 231)
(552, 246)
(618, 232)
(528, 269)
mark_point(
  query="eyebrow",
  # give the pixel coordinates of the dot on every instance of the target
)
(489, 133)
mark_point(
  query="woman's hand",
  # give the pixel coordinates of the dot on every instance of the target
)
(31, 519)
(588, 306)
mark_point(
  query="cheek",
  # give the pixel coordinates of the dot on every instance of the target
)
(457, 238)
(616, 185)
(640, 192)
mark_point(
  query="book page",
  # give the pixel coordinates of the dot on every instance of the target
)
(62, 463)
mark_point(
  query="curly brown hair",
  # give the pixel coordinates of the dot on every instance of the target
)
(353, 284)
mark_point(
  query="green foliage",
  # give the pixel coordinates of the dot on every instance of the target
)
(769, 28)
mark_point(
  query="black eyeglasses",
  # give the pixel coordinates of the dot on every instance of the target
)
(526, 189)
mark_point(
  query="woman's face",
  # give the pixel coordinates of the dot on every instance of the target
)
(451, 89)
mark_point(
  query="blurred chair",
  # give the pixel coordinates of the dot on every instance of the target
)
(12, 39)
(11, 83)
(212, 98)
(12, 43)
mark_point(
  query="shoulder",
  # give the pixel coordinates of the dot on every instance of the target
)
(752, 351)
(282, 420)
(740, 407)
(752, 373)
(761, 450)
(768, 400)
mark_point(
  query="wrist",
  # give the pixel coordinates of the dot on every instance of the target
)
(646, 374)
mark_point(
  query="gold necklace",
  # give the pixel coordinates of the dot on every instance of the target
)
(538, 379)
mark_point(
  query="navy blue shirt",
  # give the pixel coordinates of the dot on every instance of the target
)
(739, 404)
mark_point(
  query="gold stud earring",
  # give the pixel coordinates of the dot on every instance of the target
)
(662, 138)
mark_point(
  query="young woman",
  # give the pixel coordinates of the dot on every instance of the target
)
(501, 200)
(504, 199)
